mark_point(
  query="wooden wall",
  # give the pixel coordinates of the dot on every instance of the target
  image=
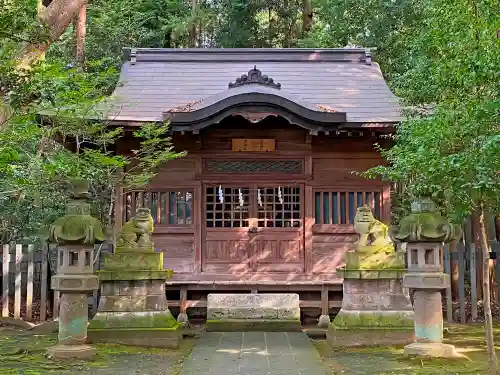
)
(328, 162)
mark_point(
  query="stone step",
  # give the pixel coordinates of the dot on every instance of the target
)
(276, 312)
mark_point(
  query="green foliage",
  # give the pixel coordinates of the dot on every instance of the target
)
(450, 149)
(54, 133)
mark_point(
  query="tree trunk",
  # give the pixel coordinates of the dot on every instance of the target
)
(307, 17)
(497, 228)
(56, 17)
(80, 29)
(454, 271)
(192, 30)
(488, 320)
(476, 238)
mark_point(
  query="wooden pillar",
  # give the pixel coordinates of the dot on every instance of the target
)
(198, 227)
(386, 204)
(324, 300)
(183, 300)
(308, 228)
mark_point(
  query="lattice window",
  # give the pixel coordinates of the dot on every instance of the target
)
(233, 212)
(254, 166)
(167, 207)
(339, 207)
(279, 213)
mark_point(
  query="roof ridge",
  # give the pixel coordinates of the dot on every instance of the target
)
(357, 55)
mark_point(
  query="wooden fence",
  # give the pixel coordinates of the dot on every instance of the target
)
(467, 257)
(25, 279)
(26, 272)
(25, 282)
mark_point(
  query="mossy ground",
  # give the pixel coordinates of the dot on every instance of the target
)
(24, 353)
(389, 360)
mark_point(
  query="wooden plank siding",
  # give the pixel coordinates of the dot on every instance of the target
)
(324, 167)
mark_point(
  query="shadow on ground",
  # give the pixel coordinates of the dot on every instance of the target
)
(21, 352)
(388, 360)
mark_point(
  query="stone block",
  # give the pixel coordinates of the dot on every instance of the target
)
(133, 261)
(135, 250)
(397, 302)
(156, 287)
(289, 314)
(426, 280)
(431, 350)
(64, 352)
(259, 325)
(353, 319)
(359, 302)
(134, 275)
(252, 313)
(155, 303)
(253, 310)
(123, 287)
(122, 303)
(361, 336)
(215, 313)
(143, 319)
(108, 289)
(74, 283)
(152, 338)
(374, 294)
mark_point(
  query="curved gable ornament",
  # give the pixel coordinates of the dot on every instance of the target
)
(254, 76)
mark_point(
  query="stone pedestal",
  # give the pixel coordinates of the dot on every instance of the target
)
(427, 288)
(424, 231)
(324, 321)
(374, 310)
(133, 307)
(73, 309)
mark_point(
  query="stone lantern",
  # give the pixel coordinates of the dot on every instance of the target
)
(424, 230)
(75, 233)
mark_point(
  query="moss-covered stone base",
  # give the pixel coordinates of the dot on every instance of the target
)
(128, 275)
(367, 336)
(351, 273)
(373, 319)
(260, 325)
(143, 319)
(145, 337)
(359, 328)
(133, 261)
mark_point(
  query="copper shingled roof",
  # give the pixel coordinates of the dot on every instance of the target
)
(156, 81)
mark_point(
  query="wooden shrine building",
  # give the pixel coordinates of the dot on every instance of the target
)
(266, 196)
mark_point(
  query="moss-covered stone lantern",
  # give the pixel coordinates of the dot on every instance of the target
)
(75, 233)
(424, 230)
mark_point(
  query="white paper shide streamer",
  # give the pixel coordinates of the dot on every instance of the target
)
(240, 198)
(259, 198)
(221, 194)
(280, 196)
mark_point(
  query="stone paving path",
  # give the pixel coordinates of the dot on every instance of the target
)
(254, 353)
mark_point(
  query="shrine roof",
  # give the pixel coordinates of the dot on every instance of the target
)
(324, 87)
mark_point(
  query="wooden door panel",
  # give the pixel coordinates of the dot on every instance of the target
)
(278, 252)
(226, 251)
(254, 228)
(226, 241)
(278, 245)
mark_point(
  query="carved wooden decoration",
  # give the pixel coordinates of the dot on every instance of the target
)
(255, 76)
(255, 117)
(253, 145)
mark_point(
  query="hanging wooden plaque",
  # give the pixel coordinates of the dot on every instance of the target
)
(253, 145)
